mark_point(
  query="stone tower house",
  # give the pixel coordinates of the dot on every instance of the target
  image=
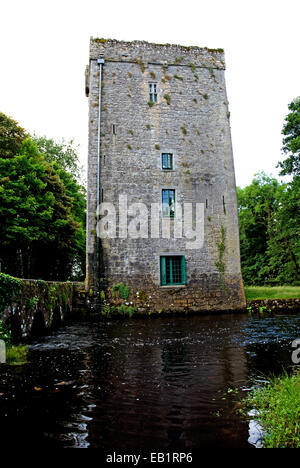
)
(160, 149)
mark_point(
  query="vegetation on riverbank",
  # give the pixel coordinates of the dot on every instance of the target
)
(14, 354)
(277, 407)
(264, 292)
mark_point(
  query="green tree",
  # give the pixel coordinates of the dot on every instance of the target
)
(269, 216)
(11, 137)
(36, 222)
(65, 154)
(291, 142)
(284, 237)
(65, 160)
(42, 206)
(286, 225)
(77, 195)
(257, 203)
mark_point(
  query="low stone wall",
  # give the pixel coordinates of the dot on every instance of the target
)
(141, 297)
(274, 305)
(39, 306)
(124, 300)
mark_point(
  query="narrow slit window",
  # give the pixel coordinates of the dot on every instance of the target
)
(172, 270)
(168, 203)
(152, 92)
(167, 161)
(224, 205)
(113, 128)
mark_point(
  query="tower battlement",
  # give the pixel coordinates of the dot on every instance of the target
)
(147, 53)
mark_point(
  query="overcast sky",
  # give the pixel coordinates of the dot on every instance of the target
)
(45, 46)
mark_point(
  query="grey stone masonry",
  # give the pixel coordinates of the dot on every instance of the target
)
(188, 118)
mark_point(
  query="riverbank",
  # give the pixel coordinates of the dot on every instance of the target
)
(272, 292)
(277, 411)
(10, 353)
(273, 305)
(264, 299)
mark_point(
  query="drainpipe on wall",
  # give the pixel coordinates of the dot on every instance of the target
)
(101, 63)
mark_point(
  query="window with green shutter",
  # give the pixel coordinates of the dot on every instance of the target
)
(172, 270)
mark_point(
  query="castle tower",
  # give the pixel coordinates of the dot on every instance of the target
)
(160, 171)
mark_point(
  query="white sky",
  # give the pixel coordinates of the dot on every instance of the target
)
(44, 47)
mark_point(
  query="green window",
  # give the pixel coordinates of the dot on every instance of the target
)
(168, 203)
(167, 161)
(172, 270)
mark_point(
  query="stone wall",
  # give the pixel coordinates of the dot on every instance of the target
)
(146, 299)
(40, 306)
(274, 305)
(191, 121)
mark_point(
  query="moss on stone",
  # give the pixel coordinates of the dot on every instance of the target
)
(167, 98)
(183, 129)
(143, 296)
(100, 40)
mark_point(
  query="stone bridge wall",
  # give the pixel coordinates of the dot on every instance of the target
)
(41, 306)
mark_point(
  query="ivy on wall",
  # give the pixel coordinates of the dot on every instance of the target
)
(9, 287)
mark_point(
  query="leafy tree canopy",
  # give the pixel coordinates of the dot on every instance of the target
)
(269, 217)
(42, 209)
(11, 137)
(65, 154)
(291, 142)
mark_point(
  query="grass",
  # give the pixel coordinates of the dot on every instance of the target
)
(278, 411)
(272, 292)
(16, 355)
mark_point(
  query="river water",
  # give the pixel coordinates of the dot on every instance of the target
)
(163, 383)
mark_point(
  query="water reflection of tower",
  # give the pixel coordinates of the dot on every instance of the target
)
(160, 387)
(194, 375)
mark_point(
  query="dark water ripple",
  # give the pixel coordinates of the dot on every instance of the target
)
(164, 383)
